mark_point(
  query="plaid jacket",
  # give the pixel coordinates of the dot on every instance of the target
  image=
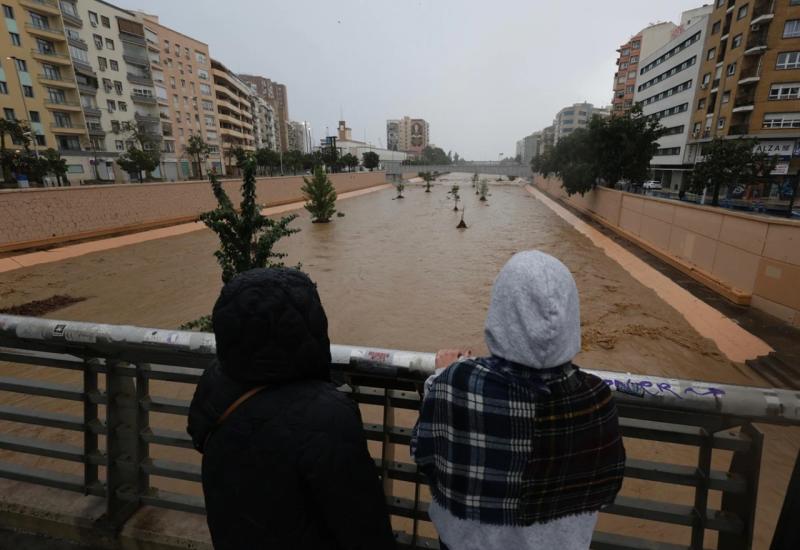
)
(505, 444)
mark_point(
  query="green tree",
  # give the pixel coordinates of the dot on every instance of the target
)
(57, 165)
(371, 160)
(475, 179)
(198, 150)
(17, 133)
(320, 196)
(729, 162)
(434, 155)
(456, 197)
(428, 177)
(483, 190)
(351, 161)
(400, 186)
(143, 155)
(267, 161)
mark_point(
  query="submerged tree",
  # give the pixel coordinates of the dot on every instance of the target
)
(456, 197)
(428, 177)
(400, 186)
(483, 190)
(475, 179)
(320, 196)
(246, 236)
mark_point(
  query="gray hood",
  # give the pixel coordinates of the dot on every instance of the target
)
(534, 318)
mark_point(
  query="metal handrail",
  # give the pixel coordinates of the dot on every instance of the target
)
(703, 415)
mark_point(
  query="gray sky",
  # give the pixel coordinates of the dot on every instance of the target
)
(482, 73)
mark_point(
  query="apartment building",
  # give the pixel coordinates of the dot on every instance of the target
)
(266, 133)
(276, 95)
(235, 112)
(528, 147)
(665, 89)
(638, 46)
(576, 116)
(37, 81)
(181, 71)
(750, 83)
(410, 135)
(299, 136)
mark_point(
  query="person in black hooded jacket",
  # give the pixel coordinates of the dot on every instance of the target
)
(285, 459)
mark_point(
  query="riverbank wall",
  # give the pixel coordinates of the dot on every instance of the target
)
(751, 260)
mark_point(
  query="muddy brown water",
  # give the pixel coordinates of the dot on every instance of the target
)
(397, 273)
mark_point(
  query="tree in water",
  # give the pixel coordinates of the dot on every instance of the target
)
(400, 186)
(197, 149)
(246, 236)
(428, 177)
(320, 196)
(475, 180)
(456, 197)
(483, 190)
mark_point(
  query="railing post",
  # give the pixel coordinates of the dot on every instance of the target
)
(142, 425)
(787, 532)
(701, 491)
(122, 442)
(90, 420)
(746, 464)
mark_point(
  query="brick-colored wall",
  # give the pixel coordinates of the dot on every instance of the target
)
(38, 217)
(757, 257)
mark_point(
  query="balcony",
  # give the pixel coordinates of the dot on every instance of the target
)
(133, 39)
(72, 19)
(136, 59)
(51, 33)
(756, 43)
(51, 56)
(744, 103)
(79, 43)
(141, 80)
(49, 7)
(87, 89)
(73, 128)
(143, 99)
(57, 81)
(763, 12)
(63, 105)
(83, 67)
(92, 111)
(96, 130)
(121, 368)
(147, 118)
(738, 130)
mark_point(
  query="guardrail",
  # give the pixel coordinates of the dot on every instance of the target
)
(136, 362)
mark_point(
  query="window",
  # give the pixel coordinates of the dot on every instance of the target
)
(115, 127)
(785, 91)
(706, 79)
(701, 104)
(93, 18)
(113, 64)
(27, 90)
(208, 105)
(726, 97)
(782, 120)
(788, 60)
(39, 21)
(98, 41)
(202, 74)
(118, 87)
(109, 44)
(792, 28)
(183, 83)
(732, 69)
(176, 101)
(635, 45)
(711, 53)
(624, 52)
(185, 101)
(62, 120)
(632, 74)
(720, 3)
(40, 140)
(22, 65)
(105, 21)
(189, 68)
(169, 147)
(8, 12)
(45, 46)
(205, 89)
(103, 63)
(56, 96)
(108, 86)
(209, 120)
(15, 41)
(623, 66)
(119, 145)
(78, 54)
(200, 57)
(69, 8)
(3, 88)
(122, 105)
(742, 13)
(716, 27)
(9, 114)
(112, 105)
(696, 129)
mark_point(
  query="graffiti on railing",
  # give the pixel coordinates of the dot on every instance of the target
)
(644, 388)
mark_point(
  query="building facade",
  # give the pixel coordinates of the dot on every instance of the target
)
(299, 136)
(750, 82)
(181, 72)
(575, 116)
(277, 96)
(264, 121)
(637, 47)
(528, 147)
(665, 87)
(409, 135)
(234, 111)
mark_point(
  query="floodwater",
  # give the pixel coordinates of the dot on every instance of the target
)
(396, 273)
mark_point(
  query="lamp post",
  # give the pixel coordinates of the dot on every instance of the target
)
(25, 104)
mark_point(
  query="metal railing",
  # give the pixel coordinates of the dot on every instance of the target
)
(132, 363)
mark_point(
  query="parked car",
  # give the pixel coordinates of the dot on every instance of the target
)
(651, 184)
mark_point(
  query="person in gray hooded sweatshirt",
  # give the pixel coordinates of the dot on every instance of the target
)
(522, 448)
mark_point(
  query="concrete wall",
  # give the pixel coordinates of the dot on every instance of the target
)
(40, 217)
(749, 259)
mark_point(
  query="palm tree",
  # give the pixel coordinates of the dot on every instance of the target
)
(197, 149)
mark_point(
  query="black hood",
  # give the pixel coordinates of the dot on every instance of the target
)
(270, 328)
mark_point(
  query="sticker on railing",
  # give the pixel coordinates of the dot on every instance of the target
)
(167, 338)
(81, 335)
(643, 388)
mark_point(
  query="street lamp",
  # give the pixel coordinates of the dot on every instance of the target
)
(25, 104)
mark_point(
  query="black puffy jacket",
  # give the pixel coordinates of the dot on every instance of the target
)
(289, 468)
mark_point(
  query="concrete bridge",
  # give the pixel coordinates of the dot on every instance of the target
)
(394, 168)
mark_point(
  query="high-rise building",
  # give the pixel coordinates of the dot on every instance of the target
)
(665, 88)
(235, 113)
(265, 123)
(528, 147)
(575, 116)
(181, 72)
(299, 136)
(276, 95)
(750, 81)
(410, 135)
(37, 81)
(638, 46)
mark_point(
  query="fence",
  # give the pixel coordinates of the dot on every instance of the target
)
(119, 364)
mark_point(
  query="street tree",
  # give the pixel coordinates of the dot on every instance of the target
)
(351, 161)
(143, 154)
(56, 165)
(17, 133)
(197, 149)
(371, 160)
(320, 196)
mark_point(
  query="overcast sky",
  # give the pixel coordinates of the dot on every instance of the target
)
(483, 73)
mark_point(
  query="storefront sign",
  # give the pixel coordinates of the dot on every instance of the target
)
(781, 169)
(775, 148)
